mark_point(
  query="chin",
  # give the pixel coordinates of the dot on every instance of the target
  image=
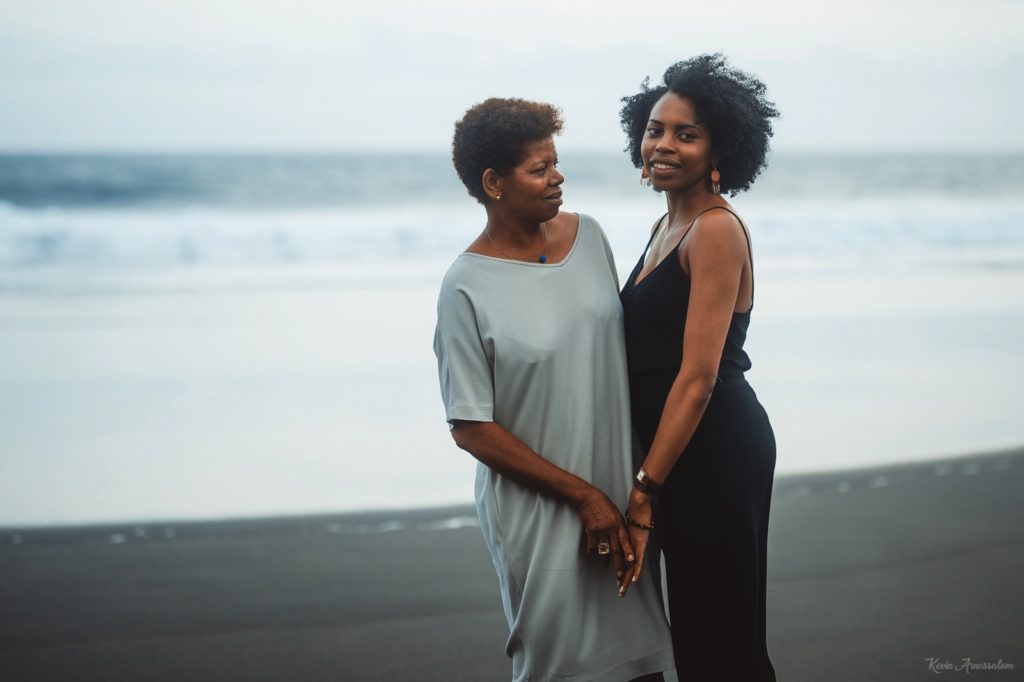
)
(671, 185)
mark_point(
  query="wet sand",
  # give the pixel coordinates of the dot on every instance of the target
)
(871, 573)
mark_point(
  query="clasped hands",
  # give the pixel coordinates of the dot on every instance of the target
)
(609, 536)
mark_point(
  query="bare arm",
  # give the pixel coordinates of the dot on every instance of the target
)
(493, 445)
(717, 254)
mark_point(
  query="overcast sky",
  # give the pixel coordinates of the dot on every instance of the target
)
(393, 75)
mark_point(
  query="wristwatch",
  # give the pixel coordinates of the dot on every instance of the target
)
(645, 484)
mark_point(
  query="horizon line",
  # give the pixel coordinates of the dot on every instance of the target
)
(360, 151)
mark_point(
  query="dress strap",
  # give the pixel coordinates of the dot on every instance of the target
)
(654, 232)
(746, 236)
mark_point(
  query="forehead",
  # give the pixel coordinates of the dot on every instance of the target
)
(539, 150)
(672, 107)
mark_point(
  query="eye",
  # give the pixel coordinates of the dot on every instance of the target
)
(653, 132)
(686, 137)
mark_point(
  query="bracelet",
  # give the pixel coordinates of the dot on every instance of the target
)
(636, 524)
(645, 484)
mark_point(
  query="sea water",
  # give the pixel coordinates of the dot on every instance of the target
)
(199, 336)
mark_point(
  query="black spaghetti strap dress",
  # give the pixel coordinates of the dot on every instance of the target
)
(712, 513)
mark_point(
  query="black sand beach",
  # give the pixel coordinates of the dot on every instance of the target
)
(871, 574)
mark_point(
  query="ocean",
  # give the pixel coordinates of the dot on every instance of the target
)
(212, 336)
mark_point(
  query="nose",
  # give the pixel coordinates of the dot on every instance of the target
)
(557, 179)
(664, 143)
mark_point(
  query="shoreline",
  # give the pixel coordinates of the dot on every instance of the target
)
(871, 574)
(454, 516)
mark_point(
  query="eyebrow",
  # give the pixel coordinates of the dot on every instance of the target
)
(681, 125)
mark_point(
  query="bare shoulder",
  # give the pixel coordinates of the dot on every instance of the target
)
(719, 231)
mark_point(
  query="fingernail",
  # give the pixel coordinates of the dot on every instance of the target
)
(635, 578)
(630, 557)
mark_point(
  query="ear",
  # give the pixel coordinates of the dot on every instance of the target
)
(492, 183)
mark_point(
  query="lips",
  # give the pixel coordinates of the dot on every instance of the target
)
(555, 198)
(664, 166)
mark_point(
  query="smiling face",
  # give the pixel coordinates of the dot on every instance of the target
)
(531, 190)
(676, 148)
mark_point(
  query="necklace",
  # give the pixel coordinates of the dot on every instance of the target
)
(542, 258)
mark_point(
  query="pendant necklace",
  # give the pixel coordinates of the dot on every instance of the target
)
(542, 258)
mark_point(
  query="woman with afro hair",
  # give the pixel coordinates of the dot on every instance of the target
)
(532, 364)
(705, 480)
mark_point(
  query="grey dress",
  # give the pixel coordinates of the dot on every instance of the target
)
(539, 349)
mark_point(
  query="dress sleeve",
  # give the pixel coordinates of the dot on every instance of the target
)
(463, 366)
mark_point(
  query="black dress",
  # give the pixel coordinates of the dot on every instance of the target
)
(712, 513)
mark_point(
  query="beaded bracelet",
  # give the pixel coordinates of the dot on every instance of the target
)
(636, 524)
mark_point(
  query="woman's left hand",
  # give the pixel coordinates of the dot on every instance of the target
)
(640, 510)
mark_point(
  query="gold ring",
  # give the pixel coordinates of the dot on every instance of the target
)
(604, 548)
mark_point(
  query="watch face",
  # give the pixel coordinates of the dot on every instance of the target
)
(645, 484)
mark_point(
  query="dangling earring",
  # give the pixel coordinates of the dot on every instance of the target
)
(645, 179)
(716, 180)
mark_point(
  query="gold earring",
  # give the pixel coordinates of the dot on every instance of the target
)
(716, 181)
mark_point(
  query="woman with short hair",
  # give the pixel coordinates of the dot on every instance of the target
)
(531, 358)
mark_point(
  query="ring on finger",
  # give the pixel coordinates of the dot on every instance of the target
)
(604, 548)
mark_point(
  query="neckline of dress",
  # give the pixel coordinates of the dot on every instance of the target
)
(673, 252)
(568, 256)
(633, 283)
(684, 273)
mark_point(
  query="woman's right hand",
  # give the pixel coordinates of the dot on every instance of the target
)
(640, 510)
(602, 523)
(493, 445)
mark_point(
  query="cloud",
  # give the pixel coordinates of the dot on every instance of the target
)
(326, 75)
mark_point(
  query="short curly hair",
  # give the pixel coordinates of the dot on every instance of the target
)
(730, 103)
(494, 134)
